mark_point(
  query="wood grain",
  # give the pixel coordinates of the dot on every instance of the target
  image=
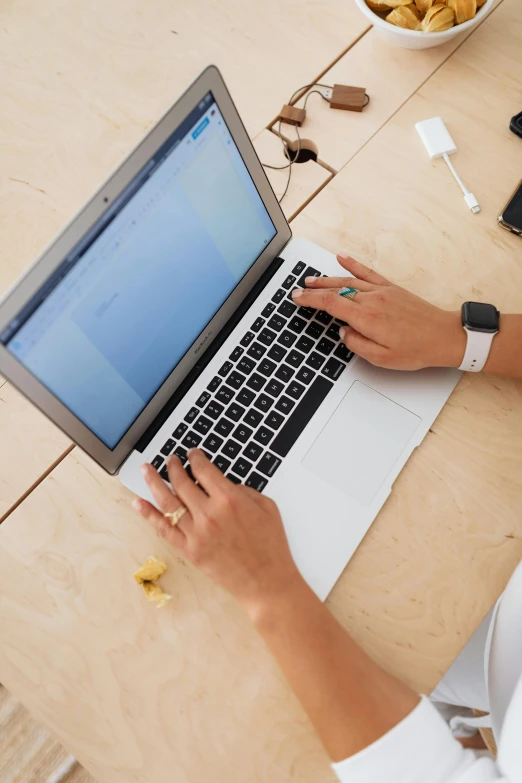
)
(80, 84)
(390, 75)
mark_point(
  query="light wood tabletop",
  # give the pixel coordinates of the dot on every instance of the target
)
(80, 83)
(189, 692)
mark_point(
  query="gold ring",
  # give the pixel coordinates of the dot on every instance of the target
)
(175, 516)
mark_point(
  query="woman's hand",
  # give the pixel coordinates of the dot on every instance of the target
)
(388, 326)
(232, 533)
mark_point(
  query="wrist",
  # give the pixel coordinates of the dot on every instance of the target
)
(451, 341)
(267, 607)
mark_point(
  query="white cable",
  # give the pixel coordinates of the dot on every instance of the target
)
(469, 198)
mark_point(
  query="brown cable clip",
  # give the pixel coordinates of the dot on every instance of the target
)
(292, 115)
(348, 98)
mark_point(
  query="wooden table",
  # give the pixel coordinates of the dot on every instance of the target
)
(127, 688)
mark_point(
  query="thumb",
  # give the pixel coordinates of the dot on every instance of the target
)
(362, 346)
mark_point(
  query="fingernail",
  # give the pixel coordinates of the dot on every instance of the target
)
(310, 280)
(190, 452)
(297, 292)
(342, 332)
(343, 255)
(145, 469)
(136, 503)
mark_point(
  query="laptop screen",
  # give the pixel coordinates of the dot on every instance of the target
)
(112, 322)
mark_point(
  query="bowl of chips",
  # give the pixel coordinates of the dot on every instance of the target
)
(421, 24)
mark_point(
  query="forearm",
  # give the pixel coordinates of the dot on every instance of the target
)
(350, 700)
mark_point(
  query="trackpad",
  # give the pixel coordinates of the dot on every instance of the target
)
(361, 442)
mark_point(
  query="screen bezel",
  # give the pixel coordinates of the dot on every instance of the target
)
(13, 302)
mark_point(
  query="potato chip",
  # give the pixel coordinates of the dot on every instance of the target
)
(406, 16)
(464, 9)
(156, 595)
(424, 5)
(438, 18)
(151, 570)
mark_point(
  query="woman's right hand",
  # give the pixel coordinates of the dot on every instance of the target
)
(388, 326)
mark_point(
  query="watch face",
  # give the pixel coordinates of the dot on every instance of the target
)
(480, 317)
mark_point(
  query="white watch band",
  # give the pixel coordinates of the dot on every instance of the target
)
(477, 350)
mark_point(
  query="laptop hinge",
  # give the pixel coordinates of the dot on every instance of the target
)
(209, 354)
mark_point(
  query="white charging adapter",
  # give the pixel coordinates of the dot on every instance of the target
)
(439, 144)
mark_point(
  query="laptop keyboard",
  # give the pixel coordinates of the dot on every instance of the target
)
(264, 395)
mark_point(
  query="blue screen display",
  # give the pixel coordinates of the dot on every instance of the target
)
(127, 304)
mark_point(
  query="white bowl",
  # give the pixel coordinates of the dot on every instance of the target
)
(414, 39)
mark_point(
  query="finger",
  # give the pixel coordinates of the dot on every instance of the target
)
(161, 493)
(191, 496)
(339, 282)
(360, 271)
(362, 346)
(158, 521)
(325, 299)
(209, 476)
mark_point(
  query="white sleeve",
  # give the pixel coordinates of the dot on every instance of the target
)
(420, 749)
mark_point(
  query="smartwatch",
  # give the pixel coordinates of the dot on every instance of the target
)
(481, 324)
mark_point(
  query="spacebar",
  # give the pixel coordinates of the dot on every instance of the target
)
(301, 416)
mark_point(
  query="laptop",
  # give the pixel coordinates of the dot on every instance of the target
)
(162, 319)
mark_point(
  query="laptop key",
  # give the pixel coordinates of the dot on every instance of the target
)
(213, 443)
(214, 409)
(333, 368)
(274, 388)
(305, 344)
(157, 462)
(295, 359)
(297, 324)
(267, 337)
(247, 339)
(277, 352)
(274, 420)
(287, 339)
(306, 312)
(235, 379)
(266, 367)
(181, 453)
(225, 394)
(203, 425)
(256, 351)
(202, 399)
(309, 272)
(288, 283)
(167, 448)
(242, 433)
(258, 324)
(333, 332)
(323, 317)
(268, 310)
(315, 360)
(325, 346)
(236, 353)
(246, 365)
(263, 435)
(234, 412)
(224, 427)
(284, 404)
(256, 481)
(279, 294)
(297, 421)
(191, 440)
(245, 397)
(295, 389)
(314, 330)
(286, 308)
(225, 369)
(242, 466)
(221, 463)
(268, 464)
(179, 431)
(231, 449)
(233, 479)
(276, 323)
(253, 418)
(214, 383)
(191, 415)
(343, 353)
(263, 403)
(298, 268)
(305, 375)
(284, 373)
(256, 381)
(165, 474)
(253, 451)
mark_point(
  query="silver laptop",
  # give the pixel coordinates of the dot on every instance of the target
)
(161, 318)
